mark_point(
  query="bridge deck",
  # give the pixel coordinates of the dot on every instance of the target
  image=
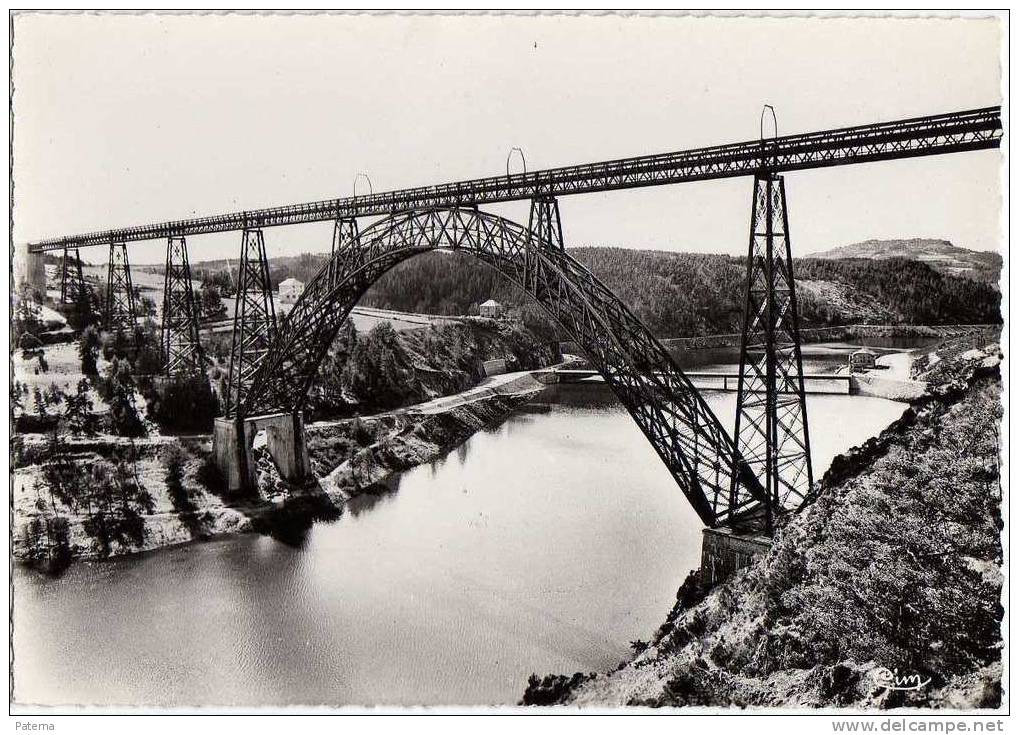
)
(922, 136)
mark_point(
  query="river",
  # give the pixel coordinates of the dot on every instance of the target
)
(545, 544)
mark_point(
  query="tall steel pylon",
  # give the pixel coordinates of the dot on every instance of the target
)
(771, 410)
(179, 343)
(544, 226)
(119, 309)
(346, 238)
(254, 320)
(72, 282)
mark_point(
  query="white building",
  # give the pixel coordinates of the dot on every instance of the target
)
(290, 290)
(491, 308)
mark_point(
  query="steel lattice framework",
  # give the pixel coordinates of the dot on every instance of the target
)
(662, 401)
(254, 322)
(771, 410)
(346, 236)
(922, 136)
(119, 310)
(181, 348)
(72, 281)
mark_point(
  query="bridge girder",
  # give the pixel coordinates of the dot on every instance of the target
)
(665, 405)
(953, 132)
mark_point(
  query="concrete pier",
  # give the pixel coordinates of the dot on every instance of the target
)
(284, 439)
(29, 270)
(724, 552)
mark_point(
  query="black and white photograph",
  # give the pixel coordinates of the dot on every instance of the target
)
(509, 363)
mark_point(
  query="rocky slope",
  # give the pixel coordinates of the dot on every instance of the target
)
(895, 567)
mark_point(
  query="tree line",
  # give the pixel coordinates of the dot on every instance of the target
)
(688, 294)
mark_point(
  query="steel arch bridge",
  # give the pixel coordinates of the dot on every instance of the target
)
(719, 479)
(665, 405)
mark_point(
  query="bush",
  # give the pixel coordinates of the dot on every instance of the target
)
(83, 312)
(148, 355)
(27, 320)
(361, 432)
(47, 544)
(211, 476)
(183, 403)
(174, 459)
(117, 389)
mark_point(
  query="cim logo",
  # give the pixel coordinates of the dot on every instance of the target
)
(891, 679)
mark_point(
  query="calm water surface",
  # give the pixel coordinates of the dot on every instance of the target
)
(543, 545)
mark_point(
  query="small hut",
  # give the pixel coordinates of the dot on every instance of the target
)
(862, 359)
(492, 308)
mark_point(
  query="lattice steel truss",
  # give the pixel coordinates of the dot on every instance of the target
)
(72, 281)
(952, 132)
(346, 240)
(668, 409)
(545, 227)
(771, 409)
(119, 310)
(254, 322)
(181, 348)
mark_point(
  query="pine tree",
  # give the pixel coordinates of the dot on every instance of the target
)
(88, 351)
(78, 410)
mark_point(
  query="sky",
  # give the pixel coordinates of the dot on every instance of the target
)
(122, 120)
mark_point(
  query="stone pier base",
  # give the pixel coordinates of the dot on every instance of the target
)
(724, 551)
(284, 439)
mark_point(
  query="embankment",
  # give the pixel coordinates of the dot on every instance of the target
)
(895, 567)
(359, 455)
(106, 497)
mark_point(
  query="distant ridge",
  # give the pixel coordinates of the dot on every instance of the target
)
(941, 255)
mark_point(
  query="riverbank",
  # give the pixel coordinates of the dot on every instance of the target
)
(169, 493)
(849, 332)
(356, 456)
(895, 567)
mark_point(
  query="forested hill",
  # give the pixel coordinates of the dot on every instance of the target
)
(941, 255)
(684, 294)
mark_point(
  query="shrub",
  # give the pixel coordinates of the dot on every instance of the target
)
(148, 355)
(183, 403)
(211, 476)
(361, 432)
(117, 389)
(27, 319)
(174, 458)
(88, 350)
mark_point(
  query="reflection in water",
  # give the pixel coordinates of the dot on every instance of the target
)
(546, 544)
(382, 491)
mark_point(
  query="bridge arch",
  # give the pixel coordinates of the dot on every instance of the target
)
(665, 405)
